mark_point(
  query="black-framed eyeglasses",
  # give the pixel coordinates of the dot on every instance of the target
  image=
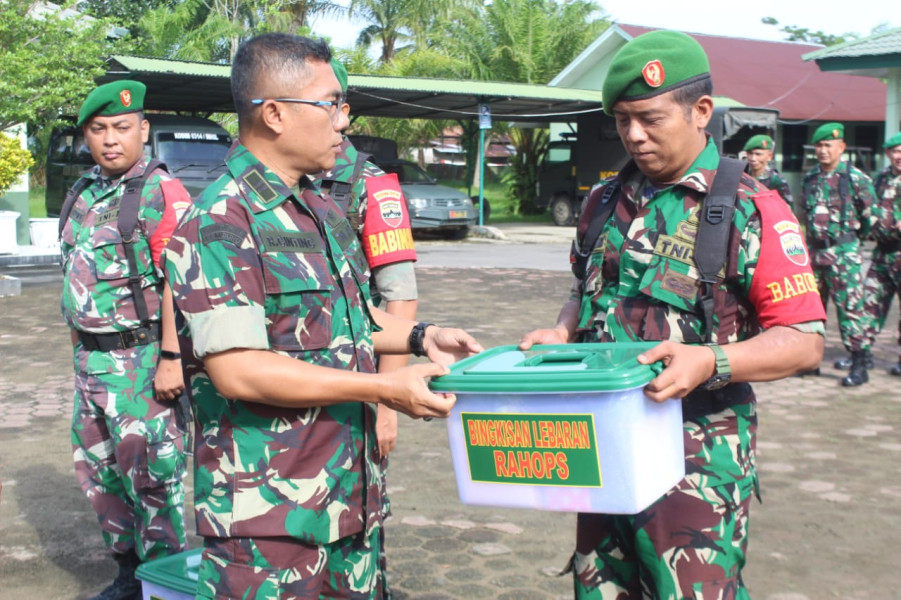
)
(333, 107)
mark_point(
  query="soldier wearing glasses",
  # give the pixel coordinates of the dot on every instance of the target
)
(274, 287)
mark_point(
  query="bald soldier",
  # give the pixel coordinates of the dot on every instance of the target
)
(836, 199)
(759, 154)
(883, 278)
(127, 438)
(631, 286)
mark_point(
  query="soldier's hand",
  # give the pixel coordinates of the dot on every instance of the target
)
(169, 381)
(446, 345)
(386, 430)
(544, 336)
(686, 367)
(407, 391)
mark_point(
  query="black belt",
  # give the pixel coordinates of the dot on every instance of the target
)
(120, 340)
(889, 246)
(700, 403)
(824, 244)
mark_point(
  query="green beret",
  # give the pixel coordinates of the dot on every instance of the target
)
(893, 141)
(651, 64)
(759, 141)
(116, 98)
(340, 73)
(828, 131)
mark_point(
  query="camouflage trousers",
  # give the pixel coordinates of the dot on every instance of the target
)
(283, 568)
(842, 281)
(883, 281)
(129, 452)
(689, 544)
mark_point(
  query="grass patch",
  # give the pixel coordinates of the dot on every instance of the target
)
(503, 209)
(36, 207)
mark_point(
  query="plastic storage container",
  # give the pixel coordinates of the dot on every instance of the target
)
(44, 233)
(170, 578)
(562, 427)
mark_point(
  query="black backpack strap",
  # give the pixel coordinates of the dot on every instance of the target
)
(71, 197)
(714, 226)
(603, 209)
(128, 224)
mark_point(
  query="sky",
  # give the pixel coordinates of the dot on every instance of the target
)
(719, 17)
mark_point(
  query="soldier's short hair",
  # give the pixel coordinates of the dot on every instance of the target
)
(271, 55)
(688, 94)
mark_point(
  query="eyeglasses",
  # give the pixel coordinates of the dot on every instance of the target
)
(333, 107)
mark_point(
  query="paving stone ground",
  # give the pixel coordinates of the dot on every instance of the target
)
(829, 461)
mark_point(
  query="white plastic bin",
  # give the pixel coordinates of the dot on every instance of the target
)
(8, 243)
(44, 233)
(563, 428)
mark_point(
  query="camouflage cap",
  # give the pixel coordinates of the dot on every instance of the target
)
(340, 73)
(893, 141)
(828, 131)
(651, 64)
(116, 98)
(762, 141)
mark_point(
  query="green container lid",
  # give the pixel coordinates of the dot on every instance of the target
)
(177, 572)
(551, 368)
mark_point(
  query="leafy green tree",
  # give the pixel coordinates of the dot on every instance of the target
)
(124, 14)
(793, 33)
(14, 160)
(525, 41)
(48, 61)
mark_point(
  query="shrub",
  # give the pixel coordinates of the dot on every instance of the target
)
(14, 160)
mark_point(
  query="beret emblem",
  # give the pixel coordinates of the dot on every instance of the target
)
(653, 73)
(125, 97)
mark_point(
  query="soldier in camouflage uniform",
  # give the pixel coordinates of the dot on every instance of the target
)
(274, 287)
(128, 441)
(759, 151)
(393, 278)
(836, 202)
(883, 278)
(640, 282)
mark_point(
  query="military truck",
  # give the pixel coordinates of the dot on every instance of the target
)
(574, 164)
(193, 149)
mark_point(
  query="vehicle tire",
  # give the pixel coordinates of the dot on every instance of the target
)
(562, 211)
(475, 204)
(457, 233)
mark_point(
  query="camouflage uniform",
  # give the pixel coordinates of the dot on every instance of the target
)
(128, 447)
(883, 278)
(834, 225)
(774, 180)
(394, 281)
(256, 265)
(641, 284)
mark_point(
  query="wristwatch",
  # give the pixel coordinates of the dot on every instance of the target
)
(417, 335)
(722, 374)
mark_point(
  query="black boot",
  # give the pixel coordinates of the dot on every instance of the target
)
(896, 369)
(858, 374)
(845, 363)
(126, 586)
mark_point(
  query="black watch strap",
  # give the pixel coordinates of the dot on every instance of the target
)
(169, 355)
(417, 335)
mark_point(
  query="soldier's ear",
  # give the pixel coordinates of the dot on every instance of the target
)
(272, 115)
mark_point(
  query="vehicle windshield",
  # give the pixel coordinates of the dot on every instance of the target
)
(183, 148)
(408, 173)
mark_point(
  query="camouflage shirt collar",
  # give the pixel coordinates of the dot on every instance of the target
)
(698, 177)
(262, 189)
(108, 183)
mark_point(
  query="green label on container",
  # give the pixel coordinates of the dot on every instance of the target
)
(533, 449)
